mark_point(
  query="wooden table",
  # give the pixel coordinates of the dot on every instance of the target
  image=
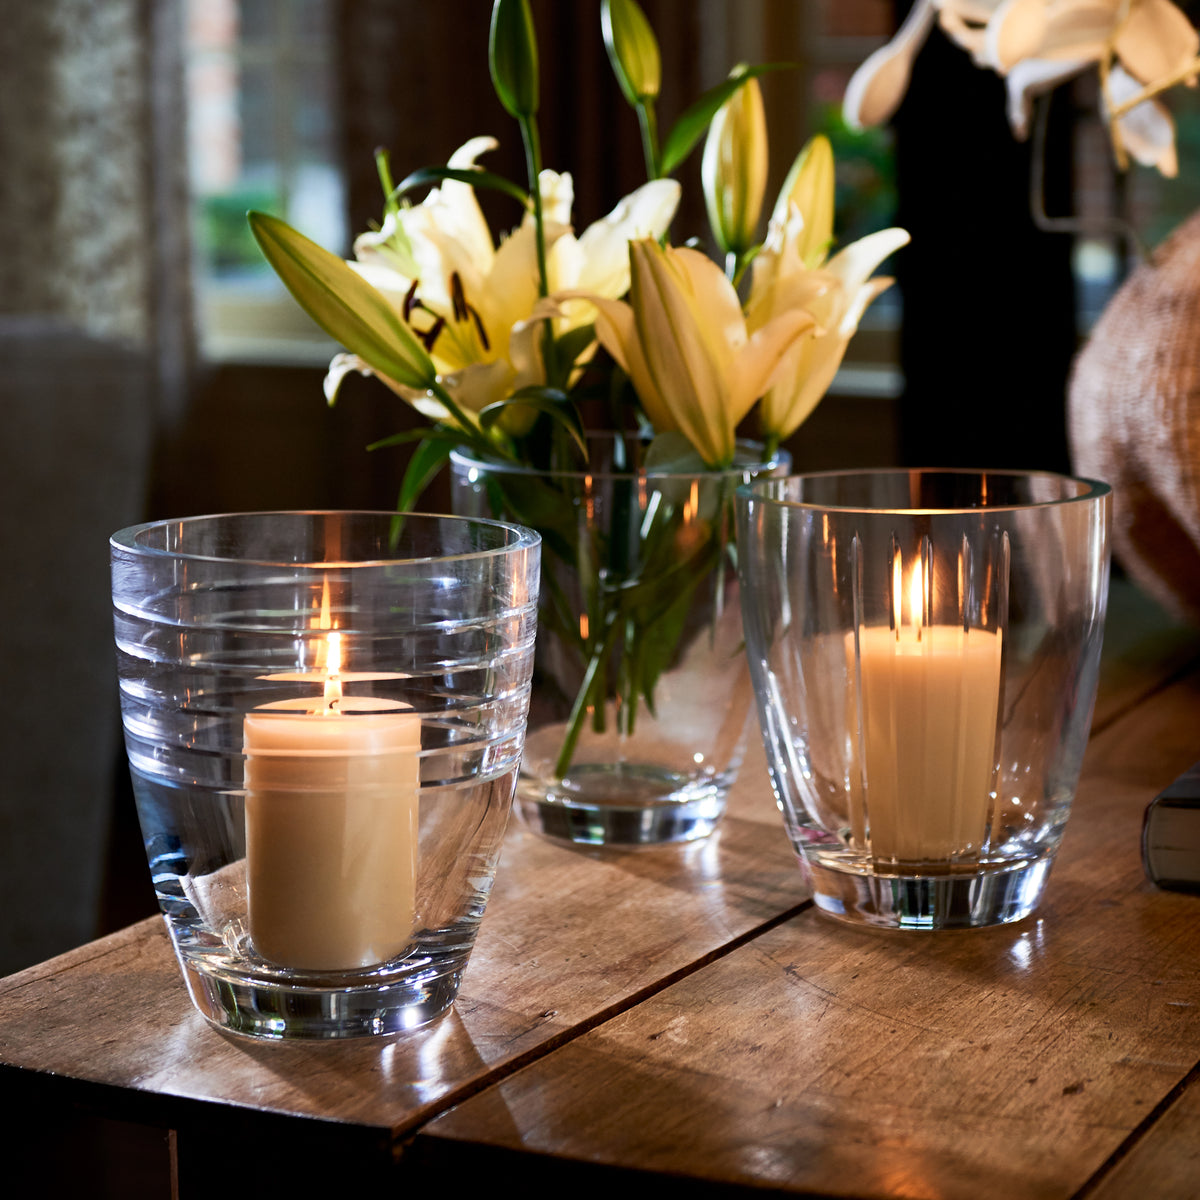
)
(682, 1019)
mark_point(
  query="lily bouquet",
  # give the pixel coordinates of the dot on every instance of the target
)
(502, 344)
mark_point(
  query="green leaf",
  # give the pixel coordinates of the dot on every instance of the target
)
(693, 124)
(426, 462)
(632, 50)
(453, 436)
(348, 308)
(671, 453)
(573, 343)
(476, 177)
(555, 404)
(513, 57)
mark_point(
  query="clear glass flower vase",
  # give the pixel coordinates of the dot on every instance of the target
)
(641, 692)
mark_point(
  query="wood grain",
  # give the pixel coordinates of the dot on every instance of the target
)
(569, 937)
(823, 1059)
(1165, 1161)
(681, 1012)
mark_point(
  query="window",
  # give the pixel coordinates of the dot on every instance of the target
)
(261, 102)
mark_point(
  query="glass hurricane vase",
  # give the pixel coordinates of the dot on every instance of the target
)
(641, 692)
(925, 648)
(323, 715)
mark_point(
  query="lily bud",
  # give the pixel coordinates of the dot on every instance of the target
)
(810, 187)
(733, 171)
(632, 50)
(513, 58)
(348, 308)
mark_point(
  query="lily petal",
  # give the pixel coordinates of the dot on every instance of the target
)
(854, 264)
(616, 330)
(558, 196)
(810, 190)
(341, 365)
(761, 357)
(646, 212)
(682, 359)
(801, 383)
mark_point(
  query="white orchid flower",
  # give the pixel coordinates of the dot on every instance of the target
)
(1147, 131)
(472, 303)
(1037, 44)
(682, 340)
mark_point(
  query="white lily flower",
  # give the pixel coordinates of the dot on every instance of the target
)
(1037, 44)
(472, 303)
(682, 340)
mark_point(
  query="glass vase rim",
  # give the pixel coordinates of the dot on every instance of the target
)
(519, 537)
(1090, 491)
(748, 457)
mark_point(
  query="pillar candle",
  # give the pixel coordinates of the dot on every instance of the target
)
(928, 700)
(331, 829)
(929, 709)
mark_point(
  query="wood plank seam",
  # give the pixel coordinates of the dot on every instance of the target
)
(406, 1132)
(1136, 1134)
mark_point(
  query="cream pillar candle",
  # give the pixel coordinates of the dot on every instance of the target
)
(331, 828)
(929, 705)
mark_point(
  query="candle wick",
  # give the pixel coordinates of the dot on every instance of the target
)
(333, 692)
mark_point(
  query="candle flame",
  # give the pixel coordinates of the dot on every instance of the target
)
(916, 597)
(322, 619)
(333, 668)
(897, 591)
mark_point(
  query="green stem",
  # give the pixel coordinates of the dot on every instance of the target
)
(384, 167)
(648, 123)
(579, 708)
(464, 423)
(533, 167)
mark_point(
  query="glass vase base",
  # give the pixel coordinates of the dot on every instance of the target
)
(621, 804)
(859, 893)
(306, 1009)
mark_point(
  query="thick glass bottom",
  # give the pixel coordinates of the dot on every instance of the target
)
(964, 897)
(385, 1001)
(621, 804)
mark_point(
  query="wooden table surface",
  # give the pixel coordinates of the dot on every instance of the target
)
(684, 1019)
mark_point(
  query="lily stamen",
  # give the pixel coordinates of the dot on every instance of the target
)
(430, 336)
(411, 301)
(462, 310)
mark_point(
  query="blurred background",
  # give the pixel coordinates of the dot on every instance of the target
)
(153, 367)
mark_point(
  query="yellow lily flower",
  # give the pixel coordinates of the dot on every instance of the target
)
(791, 272)
(474, 304)
(683, 341)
